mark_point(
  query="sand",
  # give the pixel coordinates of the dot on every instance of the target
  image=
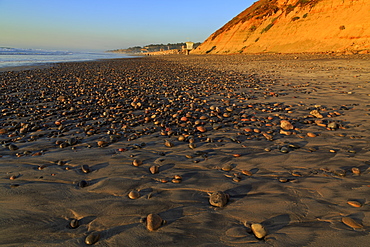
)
(106, 114)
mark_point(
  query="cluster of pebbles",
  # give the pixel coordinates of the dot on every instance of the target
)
(97, 105)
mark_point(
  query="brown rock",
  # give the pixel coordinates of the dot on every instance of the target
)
(154, 169)
(153, 222)
(258, 230)
(351, 223)
(355, 204)
(247, 173)
(218, 199)
(92, 238)
(356, 171)
(316, 114)
(137, 162)
(286, 125)
(133, 194)
(201, 129)
(310, 134)
(102, 143)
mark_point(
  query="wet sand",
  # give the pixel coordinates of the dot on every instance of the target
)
(284, 137)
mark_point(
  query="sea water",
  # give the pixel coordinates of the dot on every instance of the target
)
(12, 57)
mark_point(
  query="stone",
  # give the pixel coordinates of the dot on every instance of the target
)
(82, 184)
(351, 223)
(74, 223)
(85, 169)
(247, 173)
(133, 194)
(218, 199)
(154, 169)
(13, 147)
(92, 238)
(258, 230)
(102, 144)
(355, 204)
(137, 162)
(153, 222)
(310, 134)
(286, 125)
(284, 150)
(169, 144)
(227, 167)
(316, 114)
(356, 171)
(283, 180)
(333, 126)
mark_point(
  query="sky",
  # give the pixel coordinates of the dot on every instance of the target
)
(100, 25)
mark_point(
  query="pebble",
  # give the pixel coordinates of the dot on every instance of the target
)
(13, 147)
(154, 169)
(286, 125)
(169, 144)
(351, 223)
(201, 129)
(102, 144)
(316, 114)
(153, 222)
(218, 199)
(85, 169)
(61, 163)
(258, 230)
(340, 173)
(92, 238)
(74, 223)
(283, 180)
(82, 184)
(356, 171)
(310, 134)
(247, 173)
(333, 126)
(137, 162)
(355, 204)
(192, 145)
(284, 150)
(133, 194)
(227, 167)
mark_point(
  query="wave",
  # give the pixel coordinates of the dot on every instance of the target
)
(16, 51)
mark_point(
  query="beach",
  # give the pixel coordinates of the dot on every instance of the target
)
(128, 152)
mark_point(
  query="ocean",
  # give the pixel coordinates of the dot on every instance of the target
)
(12, 57)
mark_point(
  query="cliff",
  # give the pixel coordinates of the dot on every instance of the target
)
(294, 26)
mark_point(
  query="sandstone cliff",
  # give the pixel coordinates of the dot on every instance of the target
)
(289, 26)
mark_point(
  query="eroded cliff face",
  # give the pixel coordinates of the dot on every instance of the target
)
(289, 26)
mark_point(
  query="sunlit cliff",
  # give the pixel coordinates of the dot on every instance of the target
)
(289, 26)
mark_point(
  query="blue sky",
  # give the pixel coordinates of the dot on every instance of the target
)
(111, 24)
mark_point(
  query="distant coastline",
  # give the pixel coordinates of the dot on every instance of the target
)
(154, 49)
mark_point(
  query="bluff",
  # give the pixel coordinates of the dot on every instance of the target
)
(294, 26)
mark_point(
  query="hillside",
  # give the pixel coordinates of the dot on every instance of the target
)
(289, 26)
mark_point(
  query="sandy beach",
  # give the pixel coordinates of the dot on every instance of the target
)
(129, 152)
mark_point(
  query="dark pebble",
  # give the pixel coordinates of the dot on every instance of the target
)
(92, 238)
(82, 184)
(85, 169)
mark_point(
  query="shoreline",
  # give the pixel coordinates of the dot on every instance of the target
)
(286, 137)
